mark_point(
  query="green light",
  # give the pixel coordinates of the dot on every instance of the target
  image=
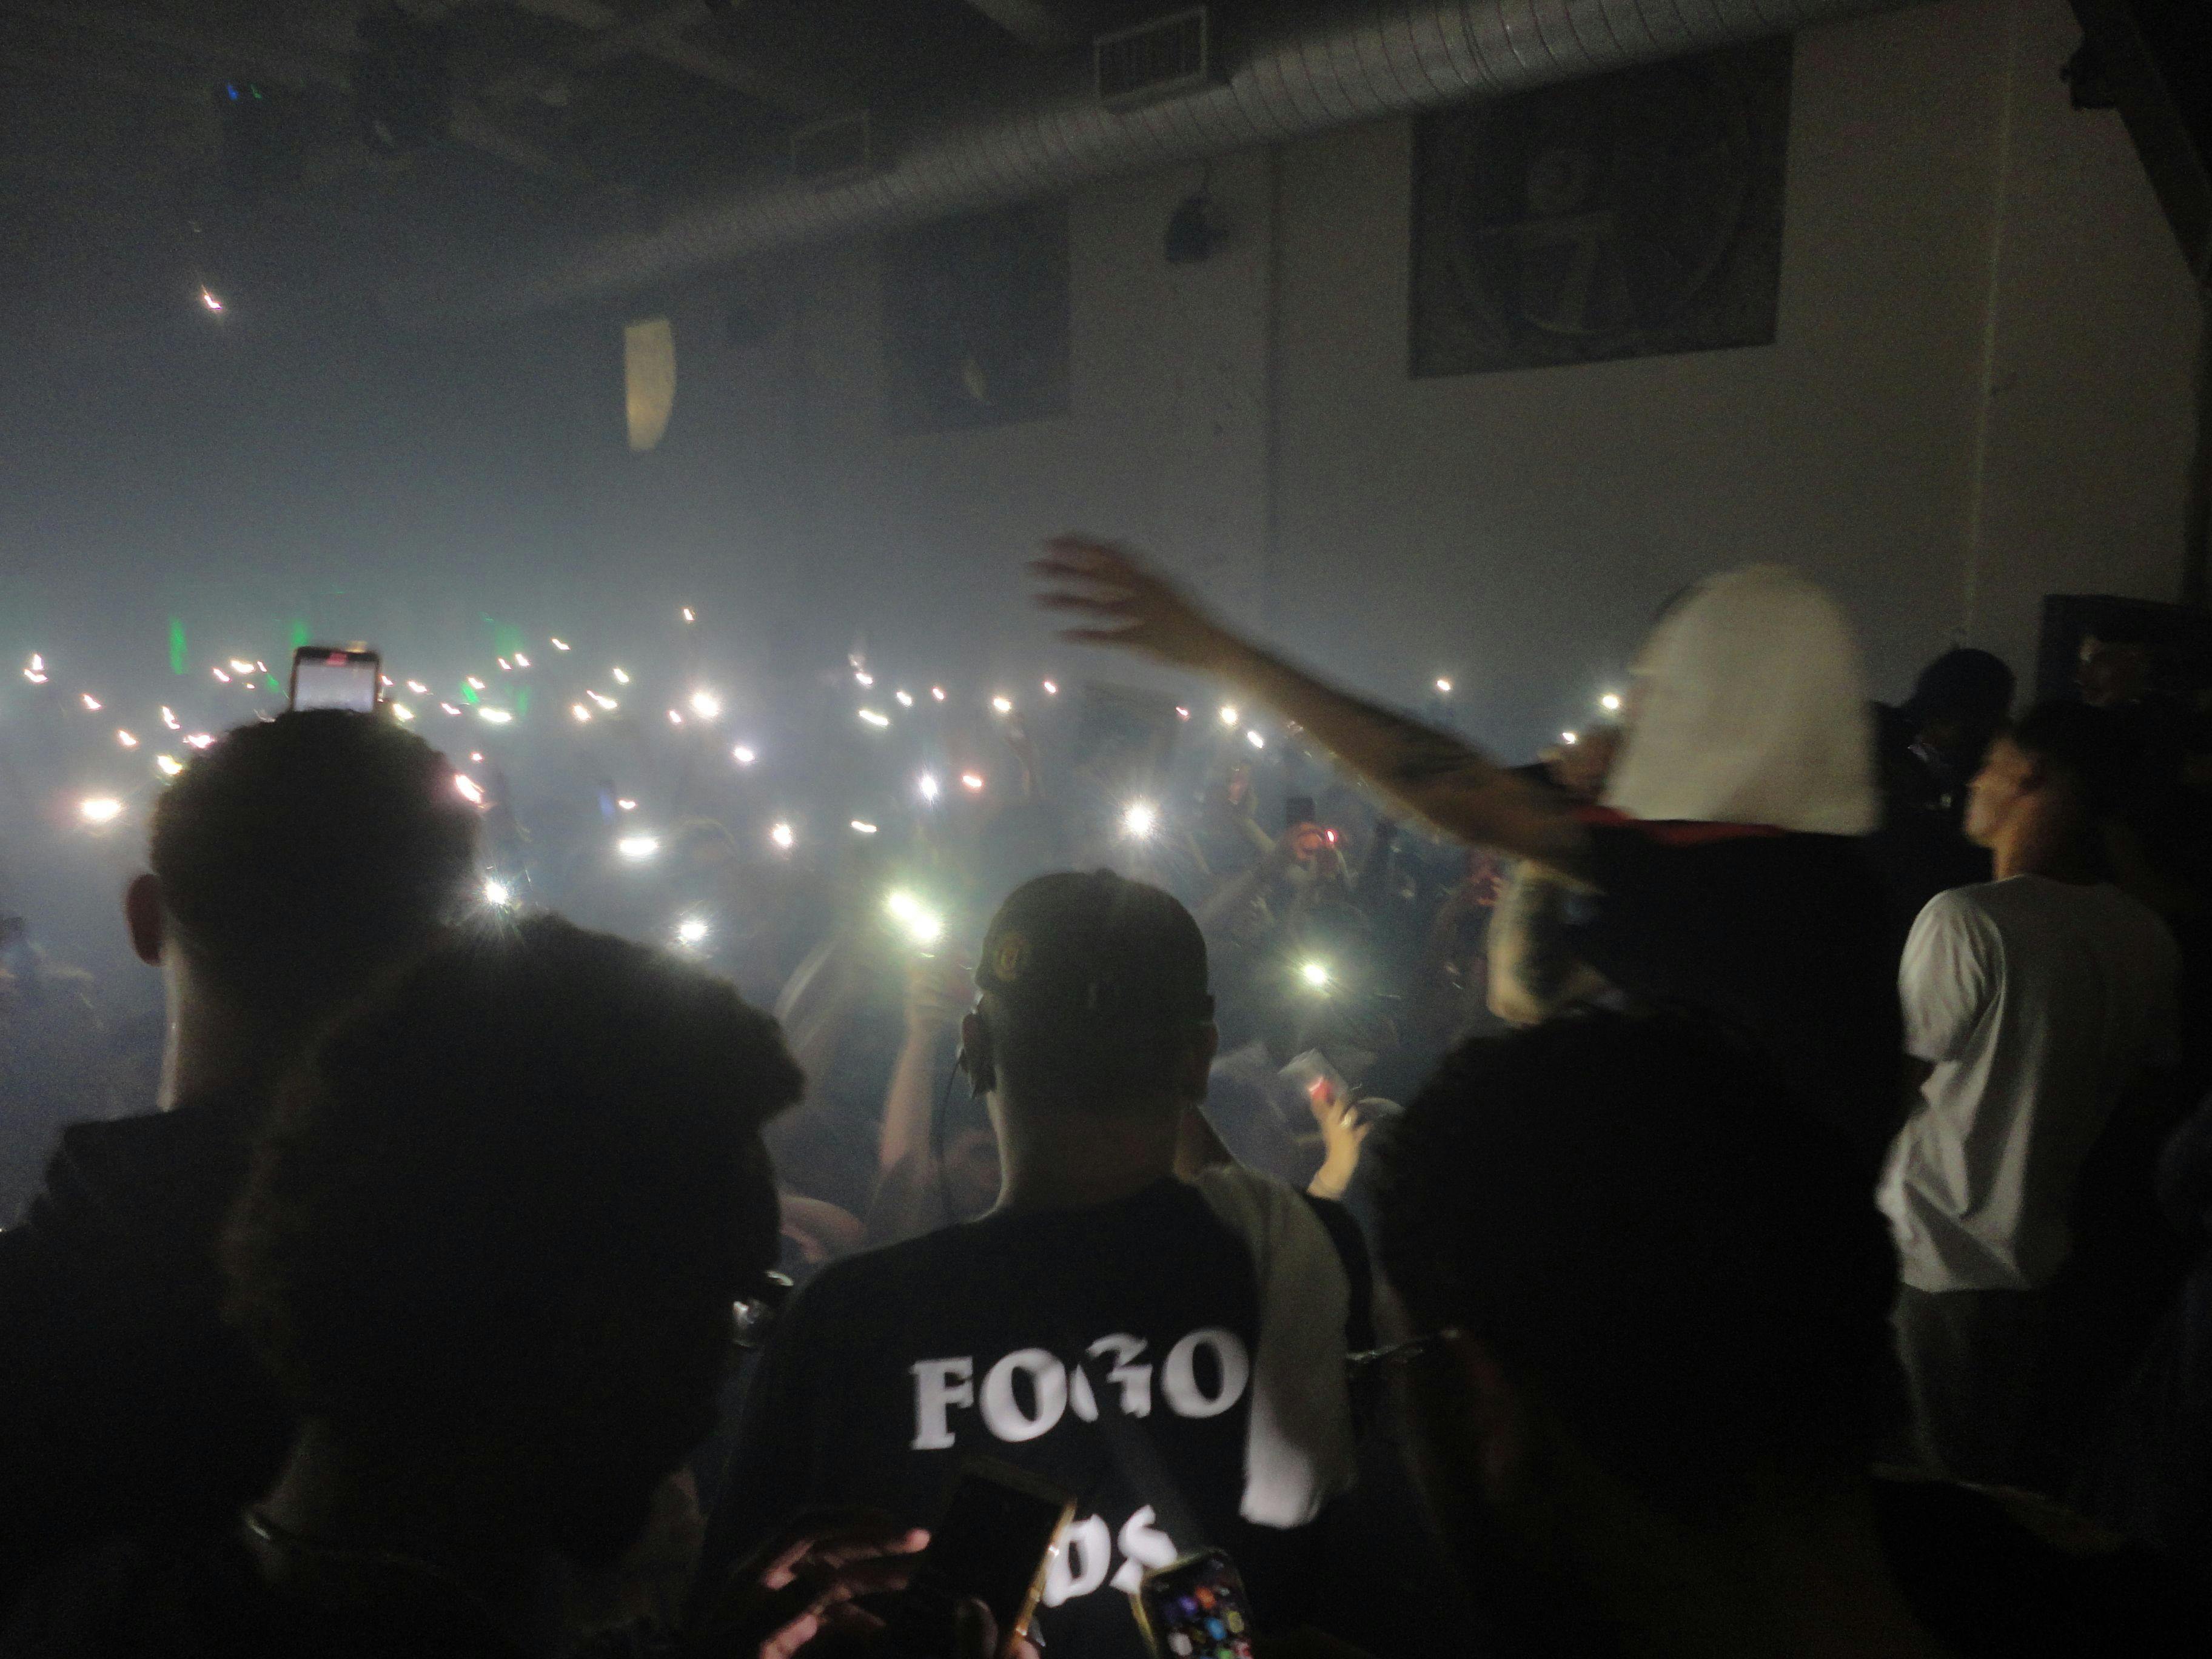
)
(177, 652)
(300, 634)
(468, 692)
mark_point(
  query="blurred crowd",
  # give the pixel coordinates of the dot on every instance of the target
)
(1738, 1182)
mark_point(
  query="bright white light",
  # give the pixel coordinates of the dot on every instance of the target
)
(470, 790)
(560, 645)
(971, 780)
(167, 765)
(383, 681)
(418, 687)
(521, 661)
(706, 705)
(1182, 713)
(580, 713)
(1314, 975)
(497, 892)
(743, 755)
(38, 664)
(169, 718)
(238, 667)
(927, 784)
(638, 849)
(504, 667)
(99, 809)
(1256, 739)
(126, 739)
(1002, 705)
(1610, 702)
(1141, 819)
(783, 837)
(1568, 737)
(208, 299)
(1050, 689)
(675, 719)
(875, 718)
(605, 703)
(449, 709)
(200, 740)
(621, 679)
(1444, 687)
(937, 692)
(905, 699)
(862, 677)
(495, 716)
(478, 759)
(688, 617)
(475, 684)
(692, 930)
(923, 925)
(91, 702)
(220, 675)
(1229, 715)
(401, 713)
(862, 827)
(34, 677)
(626, 803)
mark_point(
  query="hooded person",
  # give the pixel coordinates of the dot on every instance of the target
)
(1725, 868)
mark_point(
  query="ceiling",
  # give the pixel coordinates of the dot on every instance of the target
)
(178, 142)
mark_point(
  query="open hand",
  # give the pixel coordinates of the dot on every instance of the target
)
(1120, 602)
(802, 1585)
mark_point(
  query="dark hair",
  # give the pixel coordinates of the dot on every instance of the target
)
(514, 1192)
(1634, 1215)
(1974, 685)
(2093, 748)
(301, 857)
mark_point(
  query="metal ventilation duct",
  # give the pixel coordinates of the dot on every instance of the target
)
(1294, 70)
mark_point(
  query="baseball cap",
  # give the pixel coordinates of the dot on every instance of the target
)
(1097, 946)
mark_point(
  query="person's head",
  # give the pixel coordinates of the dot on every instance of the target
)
(1093, 999)
(1959, 700)
(2112, 667)
(1668, 1290)
(297, 860)
(500, 1216)
(1749, 706)
(2049, 779)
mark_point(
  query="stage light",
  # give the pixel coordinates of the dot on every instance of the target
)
(99, 809)
(401, 713)
(497, 892)
(418, 687)
(688, 617)
(1229, 715)
(923, 925)
(971, 781)
(504, 667)
(1256, 739)
(1050, 689)
(862, 827)
(449, 709)
(520, 661)
(167, 765)
(468, 788)
(1182, 713)
(1002, 705)
(1610, 702)
(1443, 688)
(692, 930)
(474, 683)
(905, 699)
(126, 739)
(937, 692)
(1140, 820)
(744, 755)
(604, 701)
(638, 849)
(783, 835)
(208, 299)
(1316, 975)
(621, 679)
(558, 645)
(872, 718)
(928, 786)
(169, 718)
(1568, 737)
(706, 705)
(580, 713)
(495, 716)
(863, 678)
(91, 703)
(200, 740)
(675, 719)
(626, 803)
(220, 675)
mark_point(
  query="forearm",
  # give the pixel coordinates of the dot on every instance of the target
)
(907, 1103)
(1432, 773)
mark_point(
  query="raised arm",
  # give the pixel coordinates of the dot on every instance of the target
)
(1121, 603)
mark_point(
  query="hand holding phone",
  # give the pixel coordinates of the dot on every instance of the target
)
(1195, 1608)
(992, 1546)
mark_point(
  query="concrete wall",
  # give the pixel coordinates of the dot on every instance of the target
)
(1980, 392)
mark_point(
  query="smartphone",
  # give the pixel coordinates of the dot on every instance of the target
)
(1297, 809)
(1195, 1609)
(336, 676)
(991, 1544)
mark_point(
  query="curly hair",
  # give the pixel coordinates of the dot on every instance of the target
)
(301, 857)
(515, 1190)
(1632, 1212)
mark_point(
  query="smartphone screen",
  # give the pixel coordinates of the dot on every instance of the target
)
(1195, 1609)
(336, 676)
(991, 1545)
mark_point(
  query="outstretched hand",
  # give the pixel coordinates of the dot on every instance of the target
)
(803, 1586)
(1119, 601)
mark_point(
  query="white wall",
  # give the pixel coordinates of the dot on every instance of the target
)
(1980, 392)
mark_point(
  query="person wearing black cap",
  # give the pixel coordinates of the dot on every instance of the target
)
(1145, 1343)
(1928, 750)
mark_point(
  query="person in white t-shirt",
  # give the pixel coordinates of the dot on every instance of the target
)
(2035, 1001)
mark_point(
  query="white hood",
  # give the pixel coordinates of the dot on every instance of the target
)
(1751, 707)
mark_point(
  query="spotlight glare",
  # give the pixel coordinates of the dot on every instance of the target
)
(1256, 739)
(169, 718)
(928, 786)
(621, 679)
(1141, 819)
(862, 827)
(971, 780)
(200, 740)
(872, 718)
(1182, 713)
(638, 849)
(558, 645)
(688, 617)
(1610, 702)
(692, 930)
(706, 705)
(167, 765)
(923, 925)
(468, 788)
(418, 687)
(905, 699)
(126, 739)
(401, 713)
(1568, 737)
(521, 661)
(504, 667)
(208, 299)
(626, 803)
(1229, 715)
(1443, 688)
(1051, 690)
(1314, 975)
(91, 703)
(937, 692)
(579, 711)
(783, 835)
(863, 678)
(99, 809)
(743, 755)
(474, 683)
(495, 716)
(449, 709)
(497, 891)
(605, 703)
(675, 719)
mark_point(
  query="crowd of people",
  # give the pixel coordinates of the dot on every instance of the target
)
(1736, 1185)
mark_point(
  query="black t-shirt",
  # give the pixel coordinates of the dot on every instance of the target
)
(1785, 937)
(892, 1368)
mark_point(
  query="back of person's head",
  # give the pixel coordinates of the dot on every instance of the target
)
(2088, 752)
(301, 857)
(1094, 997)
(1633, 1218)
(507, 1202)
(1969, 688)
